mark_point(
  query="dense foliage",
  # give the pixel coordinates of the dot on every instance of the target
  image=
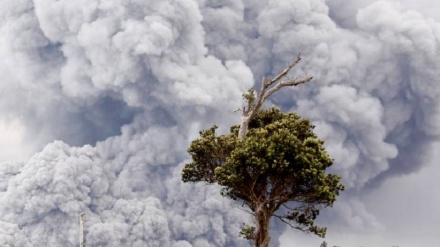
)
(277, 169)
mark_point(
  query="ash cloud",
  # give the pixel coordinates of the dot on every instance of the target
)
(374, 96)
(130, 83)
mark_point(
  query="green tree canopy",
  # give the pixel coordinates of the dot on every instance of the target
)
(277, 169)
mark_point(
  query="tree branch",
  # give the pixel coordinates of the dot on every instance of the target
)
(288, 223)
(288, 83)
(254, 105)
(283, 73)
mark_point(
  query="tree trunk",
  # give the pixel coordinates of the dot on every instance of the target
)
(262, 223)
(244, 125)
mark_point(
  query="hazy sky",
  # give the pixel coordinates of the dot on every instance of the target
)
(100, 99)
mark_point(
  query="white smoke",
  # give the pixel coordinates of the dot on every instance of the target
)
(126, 85)
(11, 236)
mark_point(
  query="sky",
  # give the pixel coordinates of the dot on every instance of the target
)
(99, 101)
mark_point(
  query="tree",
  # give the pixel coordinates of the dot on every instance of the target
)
(272, 163)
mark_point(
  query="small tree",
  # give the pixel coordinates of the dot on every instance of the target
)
(272, 163)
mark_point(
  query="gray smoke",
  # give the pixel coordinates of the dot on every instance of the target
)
(126, 85)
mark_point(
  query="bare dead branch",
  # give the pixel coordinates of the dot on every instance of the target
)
(254, 105)
(285, 84)
(284, 72)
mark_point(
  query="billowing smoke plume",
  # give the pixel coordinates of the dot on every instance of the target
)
(126, 85)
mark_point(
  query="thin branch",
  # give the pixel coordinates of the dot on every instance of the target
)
(288, 223)
(244, 209)
(289, 83)
(284, 221)
(283, 73)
